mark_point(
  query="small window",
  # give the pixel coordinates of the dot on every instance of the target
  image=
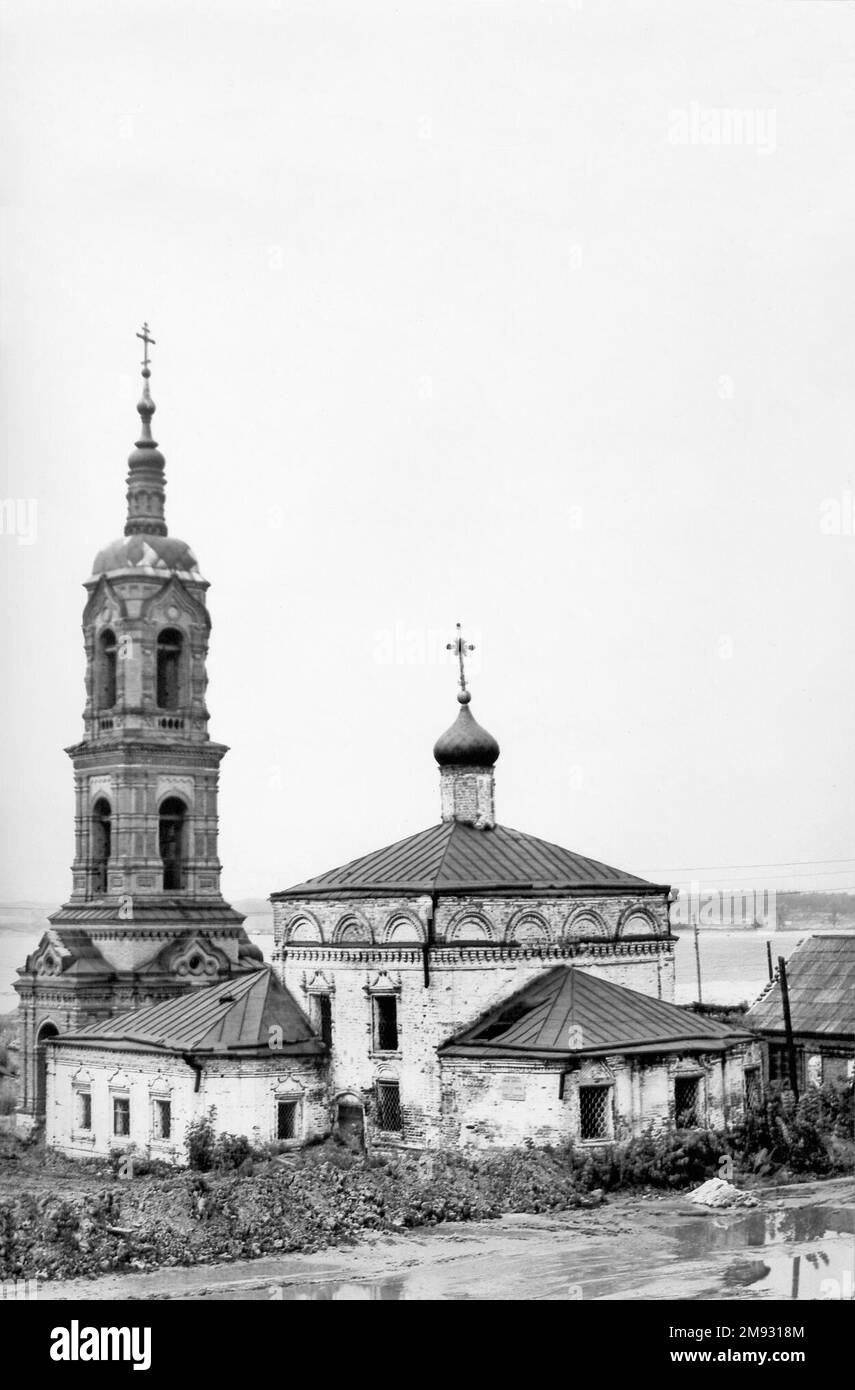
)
(286, 1119)
(389, 1117)
(753, 1090)
(323, 1004)
(161, 1119)
(594, 1111)
(121, 1116)
(687, 1102)
(385, 1012)
(83, 1109)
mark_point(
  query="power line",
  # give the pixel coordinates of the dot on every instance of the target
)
(818, 873)
(703, 868)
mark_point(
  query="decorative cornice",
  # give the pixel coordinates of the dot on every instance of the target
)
(470, 890)
(486, 954)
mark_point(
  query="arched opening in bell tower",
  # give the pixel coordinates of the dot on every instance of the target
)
(101, 843)
(169, 649)
(106, 681)
(172, 836)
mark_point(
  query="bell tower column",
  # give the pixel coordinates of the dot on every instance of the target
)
(146, 918)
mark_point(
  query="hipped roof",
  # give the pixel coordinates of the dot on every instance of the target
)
(235, 1016)
(456, 858)
(568, 1012)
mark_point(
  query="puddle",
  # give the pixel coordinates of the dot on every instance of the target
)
(739, 1230)
(800, 1253)
(795, 1253)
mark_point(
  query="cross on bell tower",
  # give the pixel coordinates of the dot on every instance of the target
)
(147, 343)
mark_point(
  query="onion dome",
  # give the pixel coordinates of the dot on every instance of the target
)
(146, 552)
(466, 744)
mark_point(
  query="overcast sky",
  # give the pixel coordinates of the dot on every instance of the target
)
(468, 311)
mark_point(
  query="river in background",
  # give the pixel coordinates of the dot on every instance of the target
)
(17, 942)
(733, 963)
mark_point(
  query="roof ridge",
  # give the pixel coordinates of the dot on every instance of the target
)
(448, 839)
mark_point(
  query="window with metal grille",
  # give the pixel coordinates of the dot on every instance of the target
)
(161, 1119)
(286, 1119)
(323, 1004)
(779, 1066)
(121, 1116)
(385, 1020)
(389, 1115)
(687, 1102)
(753, 1091)
(83, 1116)
(594, 1111)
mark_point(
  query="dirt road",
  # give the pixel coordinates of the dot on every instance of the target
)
(797, 1244)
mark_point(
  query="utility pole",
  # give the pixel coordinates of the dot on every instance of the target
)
(698, 960)
(788, 1027)
(769, 959)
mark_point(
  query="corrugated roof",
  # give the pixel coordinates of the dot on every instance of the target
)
(236, 1015)
(539, 1021)
(821, 985)
(453, 857)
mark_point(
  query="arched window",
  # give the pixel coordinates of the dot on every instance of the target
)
(102, 836)
(47, 1030)
(169, 645)
(106, 691)
(172, 835)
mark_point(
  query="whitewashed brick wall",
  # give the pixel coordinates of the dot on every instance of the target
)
(243, 1092)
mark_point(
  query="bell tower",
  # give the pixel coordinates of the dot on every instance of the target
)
(146, 918)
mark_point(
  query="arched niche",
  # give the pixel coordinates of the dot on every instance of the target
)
(636, 922)
(529, 929)
(304, 929)
(404, 929)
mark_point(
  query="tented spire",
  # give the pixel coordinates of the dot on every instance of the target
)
(146, 481)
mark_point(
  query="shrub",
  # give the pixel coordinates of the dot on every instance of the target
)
(229, 1151)
(199, 1139)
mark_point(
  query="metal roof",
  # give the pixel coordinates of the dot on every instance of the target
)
(568, 1012)
(821, 985)
(453, 858)
(236, 1015)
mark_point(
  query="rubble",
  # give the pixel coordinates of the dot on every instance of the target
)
(718, 1193)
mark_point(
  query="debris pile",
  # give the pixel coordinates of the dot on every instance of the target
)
(718, 1193)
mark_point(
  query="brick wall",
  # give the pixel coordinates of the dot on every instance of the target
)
(487, 1103)
(244, 1093)
(464, 983)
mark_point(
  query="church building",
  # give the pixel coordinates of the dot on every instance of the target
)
(479, 986)
(470, 985)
